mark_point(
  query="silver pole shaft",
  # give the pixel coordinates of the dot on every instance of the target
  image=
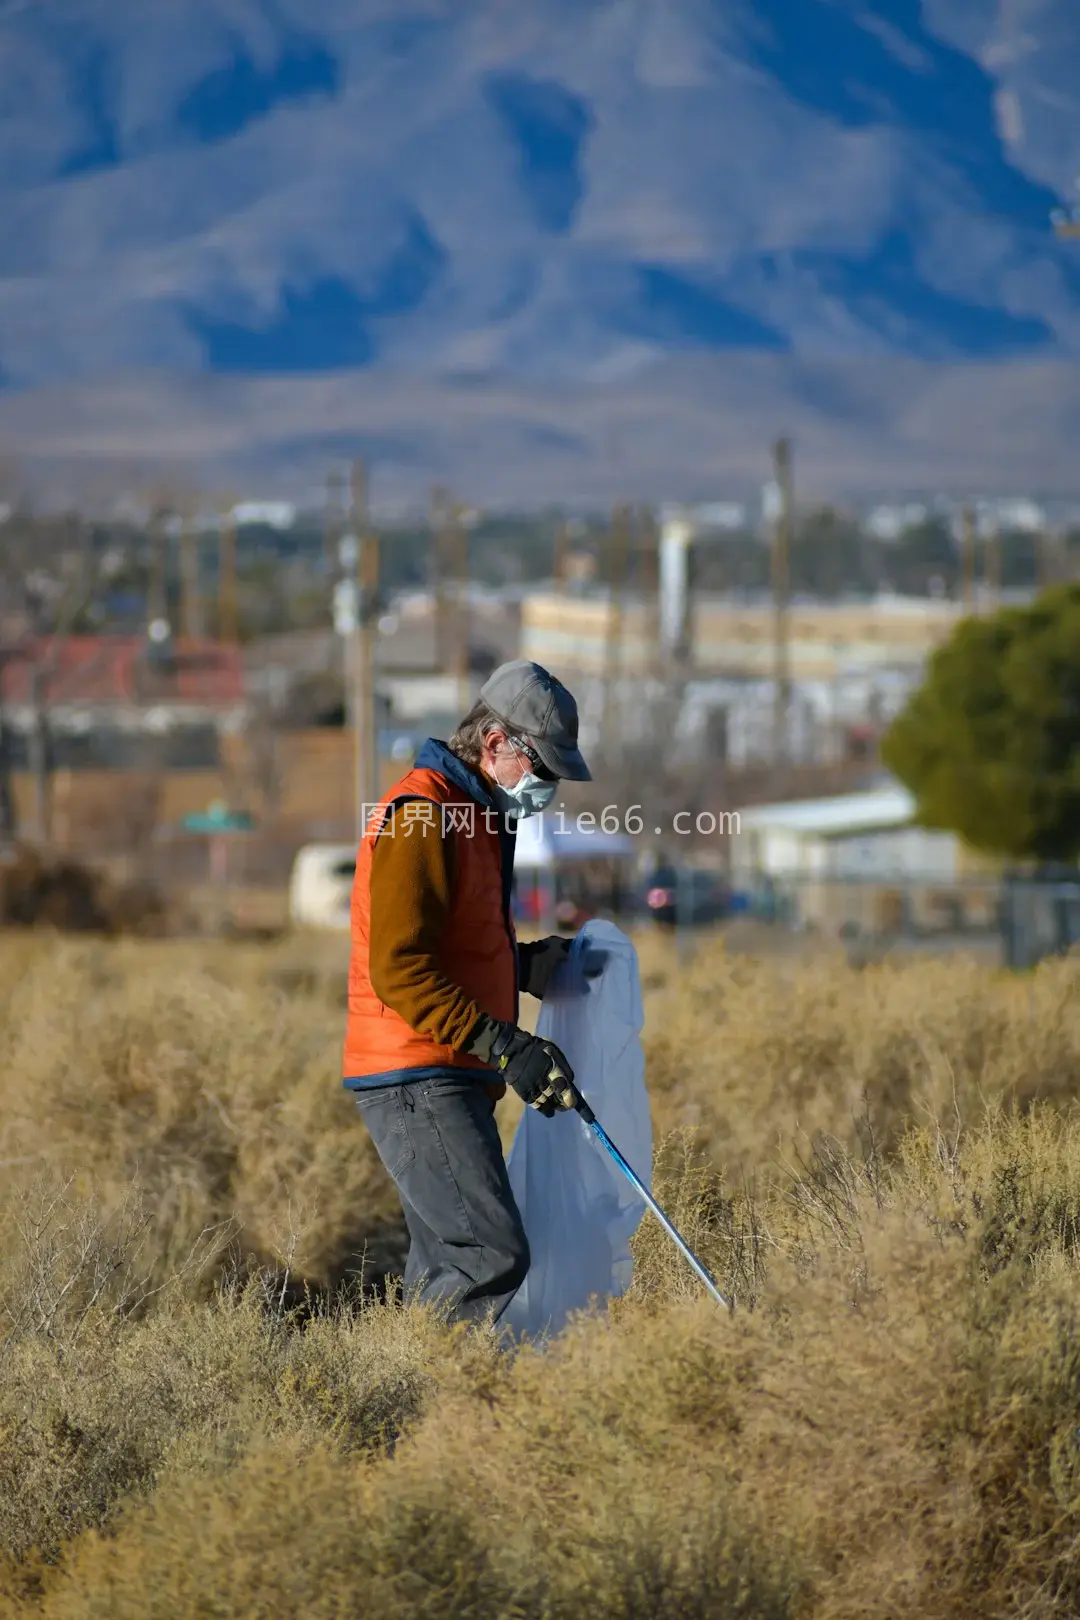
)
(672, 1231)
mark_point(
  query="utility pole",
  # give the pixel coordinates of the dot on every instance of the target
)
(157, 607)
(649, 579)
(333, 524)
(562, 547)
(967, 559)
(191, 620)
(781, 590)
(459, 571)
(450, 582)
(439, 505)
(228, 623)
(992, 564)
(618, 553)
(361, 554)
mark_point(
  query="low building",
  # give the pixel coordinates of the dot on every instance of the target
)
(104, 685)
(826, 640)
(861, 862)
(104, 737)
(852, 666)
(853, 835)
(108, 698)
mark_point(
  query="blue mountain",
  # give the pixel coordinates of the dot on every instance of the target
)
(555, 192)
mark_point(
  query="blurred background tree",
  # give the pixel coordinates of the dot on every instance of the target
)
(990, 743)
(830, 556)
(925, 553)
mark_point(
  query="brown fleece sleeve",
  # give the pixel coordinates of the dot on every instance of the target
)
(412, 875)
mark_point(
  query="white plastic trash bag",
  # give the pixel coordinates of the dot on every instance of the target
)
(579, 1210)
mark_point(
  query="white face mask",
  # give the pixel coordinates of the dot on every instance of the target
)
(528, 797)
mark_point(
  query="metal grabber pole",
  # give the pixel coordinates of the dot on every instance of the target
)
(636, 1182)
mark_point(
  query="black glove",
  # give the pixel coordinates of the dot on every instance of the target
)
(539, 961)
(537, 1070)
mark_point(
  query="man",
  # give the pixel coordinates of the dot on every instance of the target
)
(432, 1036)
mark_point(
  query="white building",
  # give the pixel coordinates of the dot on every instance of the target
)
(871, 836)
(859, 864)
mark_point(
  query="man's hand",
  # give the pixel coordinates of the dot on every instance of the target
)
(537, 1070)
(541, 960)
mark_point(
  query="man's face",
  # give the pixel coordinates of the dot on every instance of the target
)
(507, 759)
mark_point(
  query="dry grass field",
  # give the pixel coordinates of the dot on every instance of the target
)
(210, 1408)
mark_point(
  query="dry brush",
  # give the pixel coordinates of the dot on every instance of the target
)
(210, 1405)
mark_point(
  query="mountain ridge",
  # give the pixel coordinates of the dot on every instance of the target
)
(566, 195)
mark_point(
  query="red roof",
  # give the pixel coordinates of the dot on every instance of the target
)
(115, 669)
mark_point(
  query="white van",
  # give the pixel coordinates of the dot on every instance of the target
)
(320, 887)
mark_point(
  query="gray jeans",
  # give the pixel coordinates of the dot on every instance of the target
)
(439, 1141)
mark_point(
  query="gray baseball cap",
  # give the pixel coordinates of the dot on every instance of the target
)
(538, 707)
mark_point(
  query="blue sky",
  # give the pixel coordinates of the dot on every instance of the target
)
(544, 195)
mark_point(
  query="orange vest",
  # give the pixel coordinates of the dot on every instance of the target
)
(479, 949)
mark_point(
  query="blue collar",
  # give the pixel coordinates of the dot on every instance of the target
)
(436, 756)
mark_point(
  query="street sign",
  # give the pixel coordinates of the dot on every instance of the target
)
(218, 819)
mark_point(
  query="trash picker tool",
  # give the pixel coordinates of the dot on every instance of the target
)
(636, 1182)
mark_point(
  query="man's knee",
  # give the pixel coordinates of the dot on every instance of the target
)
(506, 1263)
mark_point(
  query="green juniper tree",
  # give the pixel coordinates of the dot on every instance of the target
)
(990, 743)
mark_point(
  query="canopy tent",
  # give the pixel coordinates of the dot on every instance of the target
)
(545, 839)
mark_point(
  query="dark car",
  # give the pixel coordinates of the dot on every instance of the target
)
(686, 895)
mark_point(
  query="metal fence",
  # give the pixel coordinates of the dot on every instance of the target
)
(1040, 917)
(879, 908)
(1027, 918)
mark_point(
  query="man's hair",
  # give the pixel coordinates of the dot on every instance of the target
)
(468, 740)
